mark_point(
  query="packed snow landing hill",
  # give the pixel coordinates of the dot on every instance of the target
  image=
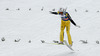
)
(24, 23)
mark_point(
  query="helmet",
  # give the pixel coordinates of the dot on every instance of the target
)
(62, 11)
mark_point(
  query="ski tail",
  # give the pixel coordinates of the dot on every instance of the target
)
(68, 45)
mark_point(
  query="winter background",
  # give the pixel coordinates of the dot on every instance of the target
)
(29, 21)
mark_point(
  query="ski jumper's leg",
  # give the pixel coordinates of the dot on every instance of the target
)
(62, 31)
(68, 32)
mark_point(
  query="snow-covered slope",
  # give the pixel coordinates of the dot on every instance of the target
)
(35, 25)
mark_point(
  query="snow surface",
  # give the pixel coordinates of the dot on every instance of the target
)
(37, 25)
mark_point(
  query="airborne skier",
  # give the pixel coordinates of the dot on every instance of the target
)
(65, 22)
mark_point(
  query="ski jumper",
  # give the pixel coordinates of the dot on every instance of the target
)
(65, 22)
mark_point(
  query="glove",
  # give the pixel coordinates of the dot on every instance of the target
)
(50, 11)
(78, 26)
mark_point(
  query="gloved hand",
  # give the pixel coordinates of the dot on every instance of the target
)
(51, 12)
(78, 26)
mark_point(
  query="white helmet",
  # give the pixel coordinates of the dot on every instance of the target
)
(62, 10)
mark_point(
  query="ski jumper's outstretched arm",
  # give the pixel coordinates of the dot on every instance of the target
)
(56, 13)
(71, 20)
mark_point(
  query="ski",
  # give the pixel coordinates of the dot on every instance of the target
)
(57, 43)
(54, 42)
(68, 45)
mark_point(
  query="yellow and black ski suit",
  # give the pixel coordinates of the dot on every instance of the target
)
(65, 22)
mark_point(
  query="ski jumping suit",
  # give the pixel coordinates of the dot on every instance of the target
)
(65, 22)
